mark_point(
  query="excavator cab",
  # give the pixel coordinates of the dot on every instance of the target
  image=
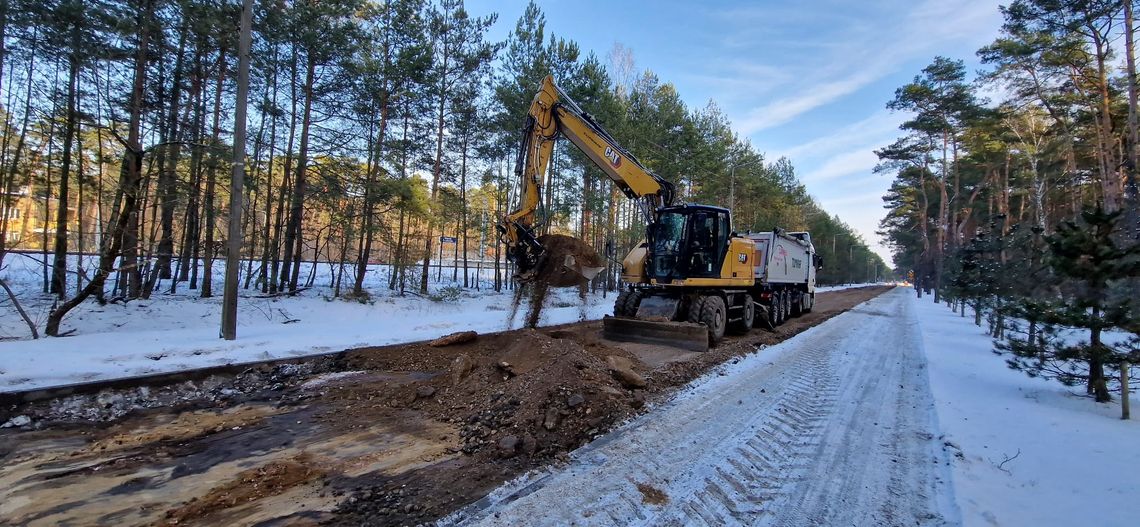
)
(687, 242)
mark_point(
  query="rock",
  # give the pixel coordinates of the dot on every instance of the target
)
(622, 369)
(506, 368)
(460, 368)
(508, 446)
(638, 399)
(575, 400)
(553, 417)
(618, 363)
(19, 420)
(423, 392)
(529, 444)
(454, 338)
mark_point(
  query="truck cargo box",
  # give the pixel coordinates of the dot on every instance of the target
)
(782, 258)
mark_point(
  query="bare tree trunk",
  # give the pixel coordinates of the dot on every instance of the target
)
(296, 208)
(212, 181)
(464, 225)
(237, 177)
(59, 264)
(167, 177)
(24, 314)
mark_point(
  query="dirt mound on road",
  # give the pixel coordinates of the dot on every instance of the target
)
(529, 397)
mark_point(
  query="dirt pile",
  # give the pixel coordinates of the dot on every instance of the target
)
(520, 402)
(549, 391)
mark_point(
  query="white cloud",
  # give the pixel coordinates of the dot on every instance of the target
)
(784, 110)
(859, 53)
(876, 129)
(857, 161)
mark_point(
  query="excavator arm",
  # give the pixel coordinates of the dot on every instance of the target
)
(551, 114)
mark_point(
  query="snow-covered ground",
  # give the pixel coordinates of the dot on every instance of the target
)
(894, 413)
(180, 331)
(1071, 461)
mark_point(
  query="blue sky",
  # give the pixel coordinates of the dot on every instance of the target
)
(806, 80)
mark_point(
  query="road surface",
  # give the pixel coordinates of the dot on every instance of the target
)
(835, 426)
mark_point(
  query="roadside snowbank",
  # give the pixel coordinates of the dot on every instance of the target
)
(174, 332)
(1026, 451)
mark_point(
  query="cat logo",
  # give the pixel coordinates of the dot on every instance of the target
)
(613, 156)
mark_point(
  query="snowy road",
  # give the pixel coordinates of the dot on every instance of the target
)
(833, 427)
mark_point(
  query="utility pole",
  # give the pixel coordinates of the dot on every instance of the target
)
(233, 243)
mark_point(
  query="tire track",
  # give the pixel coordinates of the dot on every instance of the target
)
(774, 459)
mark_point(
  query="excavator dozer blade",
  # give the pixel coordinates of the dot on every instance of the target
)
(684, 335)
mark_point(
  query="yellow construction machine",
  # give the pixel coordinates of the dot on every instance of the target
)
(689, 280)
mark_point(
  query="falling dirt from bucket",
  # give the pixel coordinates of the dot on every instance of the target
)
(565, 262)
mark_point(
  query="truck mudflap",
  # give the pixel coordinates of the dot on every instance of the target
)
(684, 335)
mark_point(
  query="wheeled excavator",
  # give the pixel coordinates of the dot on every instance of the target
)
(688, 281)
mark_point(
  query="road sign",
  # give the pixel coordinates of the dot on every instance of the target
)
(447, 239)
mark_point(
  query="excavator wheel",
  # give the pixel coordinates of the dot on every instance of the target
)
(710, 311)
(747, 316)
(626, 303)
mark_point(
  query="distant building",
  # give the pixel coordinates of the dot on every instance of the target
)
(24, 226)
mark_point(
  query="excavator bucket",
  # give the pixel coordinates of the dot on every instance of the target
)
(684, 335)
(565, 261)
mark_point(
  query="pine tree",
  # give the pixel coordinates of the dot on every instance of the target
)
(1088, 263)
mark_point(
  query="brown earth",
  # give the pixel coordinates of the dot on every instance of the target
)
(377, 436)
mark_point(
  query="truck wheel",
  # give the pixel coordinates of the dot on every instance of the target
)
(809, 302)
(747, 316)
(713, 315)
(797, 301)
(774, 311)
(788, 306)
(781, 308)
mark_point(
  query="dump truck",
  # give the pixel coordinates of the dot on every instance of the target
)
(784, 267)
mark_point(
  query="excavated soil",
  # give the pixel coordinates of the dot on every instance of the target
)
(564, 256)
(396, 435)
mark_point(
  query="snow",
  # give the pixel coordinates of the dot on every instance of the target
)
(174, 332)
(1071, 461)
(178, 332)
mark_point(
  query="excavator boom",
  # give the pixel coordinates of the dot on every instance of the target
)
(551, 114)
